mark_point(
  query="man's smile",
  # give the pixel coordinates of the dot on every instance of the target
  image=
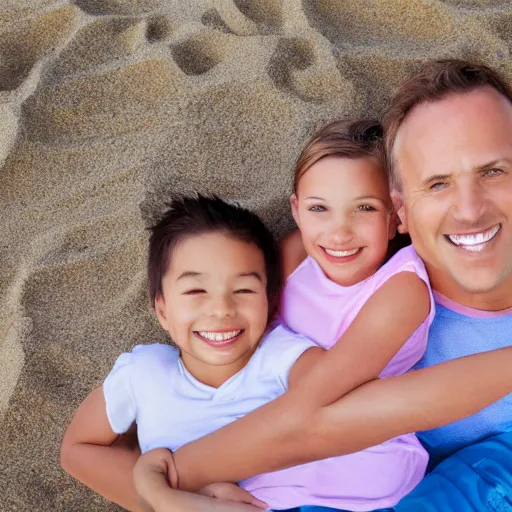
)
(474, 242)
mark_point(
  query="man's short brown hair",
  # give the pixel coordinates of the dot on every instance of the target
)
(435, 81)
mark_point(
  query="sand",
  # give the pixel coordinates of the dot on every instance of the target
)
(106, 107)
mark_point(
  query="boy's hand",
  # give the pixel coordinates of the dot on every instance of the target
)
(231, 492)
(153, 469)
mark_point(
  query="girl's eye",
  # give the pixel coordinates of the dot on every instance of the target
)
(244, 290)
(195, 291)
(366, 208)
(316, 208)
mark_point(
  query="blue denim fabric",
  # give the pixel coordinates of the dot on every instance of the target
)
(314, 508)
(477, 478)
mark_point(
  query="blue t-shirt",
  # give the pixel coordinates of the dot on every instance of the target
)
(459, 331)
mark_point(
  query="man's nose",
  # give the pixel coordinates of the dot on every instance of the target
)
(468, 202)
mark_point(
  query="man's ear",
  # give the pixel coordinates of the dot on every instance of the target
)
(398, 205)
(160, 311)
(294, 202)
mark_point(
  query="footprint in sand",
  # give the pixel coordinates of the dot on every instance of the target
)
(306, 69)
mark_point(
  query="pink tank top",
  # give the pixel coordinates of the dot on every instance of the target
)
(379, 476)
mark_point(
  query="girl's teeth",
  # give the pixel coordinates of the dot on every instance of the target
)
(219, 336)
(476, 239)
(341, 254)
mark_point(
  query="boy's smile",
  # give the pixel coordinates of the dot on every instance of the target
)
(214, 304)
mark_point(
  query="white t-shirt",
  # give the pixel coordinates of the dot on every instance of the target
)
(151, 386)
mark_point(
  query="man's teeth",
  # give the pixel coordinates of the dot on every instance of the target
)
(342, 254)
(470, 241)
(219, 336)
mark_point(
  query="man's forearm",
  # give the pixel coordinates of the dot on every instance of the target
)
(106, 470)
(282, 434)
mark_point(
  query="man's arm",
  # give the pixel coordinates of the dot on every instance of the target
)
(284, 433)
(93, 454)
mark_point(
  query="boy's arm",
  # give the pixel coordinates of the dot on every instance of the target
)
(92, 453)
(281, 434)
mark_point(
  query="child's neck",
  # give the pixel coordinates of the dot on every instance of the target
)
(213, 375)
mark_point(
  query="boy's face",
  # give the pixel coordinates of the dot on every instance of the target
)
(214, 304)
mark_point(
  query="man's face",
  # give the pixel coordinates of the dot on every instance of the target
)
(454, 157)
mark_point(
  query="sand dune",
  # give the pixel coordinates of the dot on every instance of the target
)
(107, 106)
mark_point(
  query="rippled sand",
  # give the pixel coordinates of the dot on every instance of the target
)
(106, 107)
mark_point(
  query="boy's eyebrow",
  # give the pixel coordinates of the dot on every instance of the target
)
(189, 274)
(315, 198)
(251, 274)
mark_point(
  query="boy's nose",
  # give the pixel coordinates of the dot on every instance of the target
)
(222, 307)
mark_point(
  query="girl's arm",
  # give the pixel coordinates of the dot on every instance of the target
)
(283, 434)
(92, 453)
(384, 324)
(152, 484)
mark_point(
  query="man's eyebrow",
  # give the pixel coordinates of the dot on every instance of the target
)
(189, 274)
(435, 177)
(494, 163)
(251, 274)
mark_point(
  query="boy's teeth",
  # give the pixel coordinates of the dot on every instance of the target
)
(341, 254)
(475, 239)
(219, 336)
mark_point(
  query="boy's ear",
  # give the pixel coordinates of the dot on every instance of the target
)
(294, 203)
(398, 205)
(160, 311)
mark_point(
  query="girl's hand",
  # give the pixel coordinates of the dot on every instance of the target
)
(231, 492)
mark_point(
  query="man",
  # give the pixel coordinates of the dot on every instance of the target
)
(449, 138)
(449, 143)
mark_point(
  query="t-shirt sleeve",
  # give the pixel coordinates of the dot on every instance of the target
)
(284, 347)
(119, 398)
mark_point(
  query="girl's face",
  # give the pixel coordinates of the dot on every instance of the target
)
(214, 304)
(344, 213)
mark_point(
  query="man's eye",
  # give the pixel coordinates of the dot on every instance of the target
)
(493, 172)
(194, 291)
(438, 186)
(366, 208)
(244, 290)
(316, 208)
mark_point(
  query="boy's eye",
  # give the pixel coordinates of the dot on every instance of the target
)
(244, 290)
(366, 208)
(194, 291)
(317, 208)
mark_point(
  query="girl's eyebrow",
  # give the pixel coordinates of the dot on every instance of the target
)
(315, 198)
(360, 198)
